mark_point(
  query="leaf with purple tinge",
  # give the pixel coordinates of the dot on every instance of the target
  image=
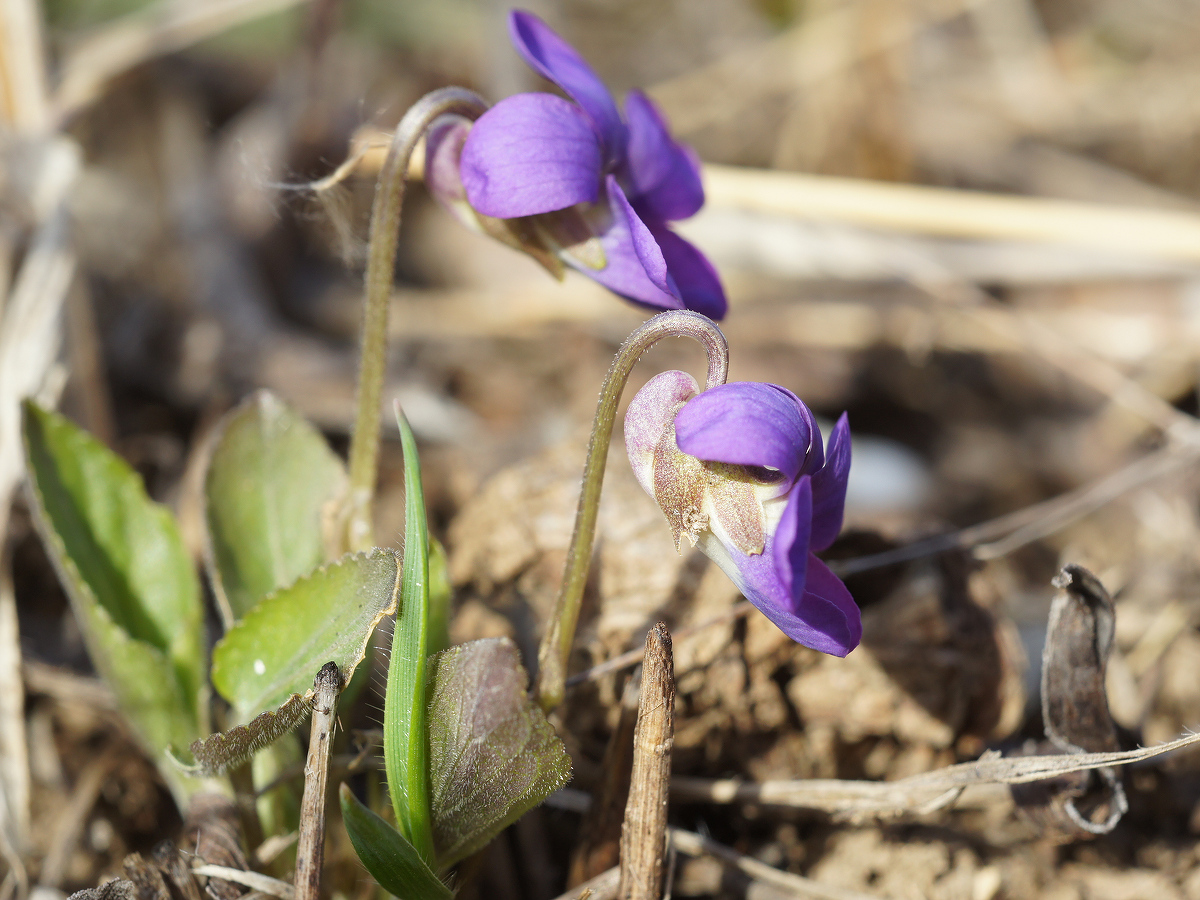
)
(493, 755)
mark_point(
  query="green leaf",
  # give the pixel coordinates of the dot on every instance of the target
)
(391, 860)
(493, 755)
(269, 481)
(329, 615)
(405, 744)
(130, 580)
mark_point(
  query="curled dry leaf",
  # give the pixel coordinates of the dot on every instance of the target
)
(1079, 638)
(220, 752)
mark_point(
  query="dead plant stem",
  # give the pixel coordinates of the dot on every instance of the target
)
(644, 833)
(310, 846)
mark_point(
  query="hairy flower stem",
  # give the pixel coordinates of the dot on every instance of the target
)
(560, 631)
(381, 262)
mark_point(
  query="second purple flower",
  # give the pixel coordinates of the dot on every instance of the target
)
(593, 190)
(740, 471)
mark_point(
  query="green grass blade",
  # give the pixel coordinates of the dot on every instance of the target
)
(405, 742)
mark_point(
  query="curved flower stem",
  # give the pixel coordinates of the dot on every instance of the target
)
(560, 630)
(381, 261)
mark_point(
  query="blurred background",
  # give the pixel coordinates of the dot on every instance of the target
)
(973, 224)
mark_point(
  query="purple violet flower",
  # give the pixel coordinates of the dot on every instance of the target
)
(740, 471)
(575, 183)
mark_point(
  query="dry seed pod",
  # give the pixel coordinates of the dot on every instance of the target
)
(1079, 639)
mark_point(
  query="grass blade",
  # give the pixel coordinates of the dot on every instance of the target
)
(405, 742)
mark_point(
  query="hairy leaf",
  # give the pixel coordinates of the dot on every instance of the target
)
(405, 743)
(220, 752)
(391, 860)
(493, 755)
(326, 616)
(132, 586)
(269, 481)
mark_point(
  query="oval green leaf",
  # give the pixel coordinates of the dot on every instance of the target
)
(269, 483)
(130, 580)
(329, 615)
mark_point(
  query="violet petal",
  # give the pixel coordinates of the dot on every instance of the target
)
(828, 607)
(829, 487)
(529, 154)
(819, 619)
(694, 276)
(790, 548)
(664, 175)
(746, 423)
(553, 58)
(635, 267)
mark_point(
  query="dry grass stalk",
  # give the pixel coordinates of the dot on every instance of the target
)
(264, 884)
(1156, 234)
(310, 847)
(818, 48)
(643, 837)
(29, 330)
(791, 885)
(22, 66)
(1004, 534)
(602, 887)
(922, 793)
(14, 755)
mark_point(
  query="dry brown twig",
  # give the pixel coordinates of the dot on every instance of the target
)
(310, 847)
(643, 835)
